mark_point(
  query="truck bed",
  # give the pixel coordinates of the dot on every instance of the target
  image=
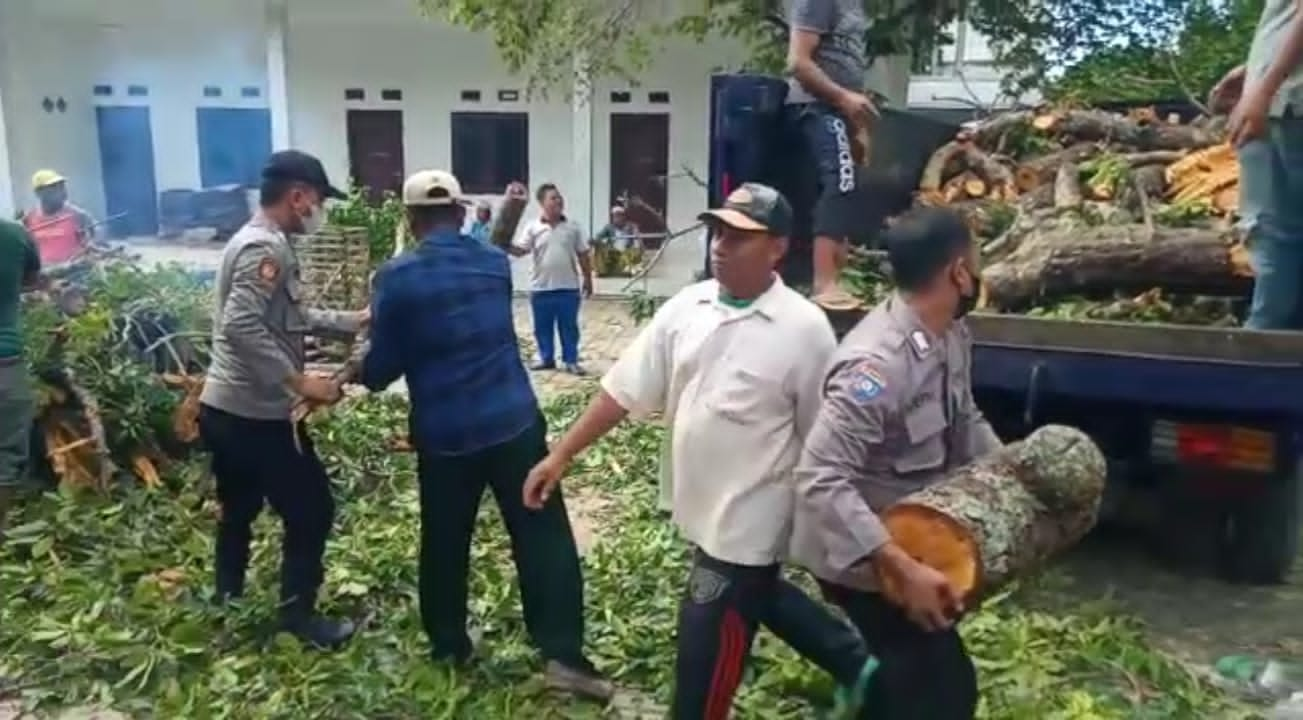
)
(1229, 369)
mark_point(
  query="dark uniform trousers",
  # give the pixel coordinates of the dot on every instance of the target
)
(256, 461)
(542, 548)
(922, 675)
(718, 617)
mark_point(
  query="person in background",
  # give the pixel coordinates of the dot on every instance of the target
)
(734, 365)
(1265, 100)
(259, 455)
(827, 62)
(20, 268)
(60, 229)
(483, 223)
(897, 414)
(620, 233)
(560, 253)
(441, 318)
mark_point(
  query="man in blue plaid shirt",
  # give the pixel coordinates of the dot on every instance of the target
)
(441, 317)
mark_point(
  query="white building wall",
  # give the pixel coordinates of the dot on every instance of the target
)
(965, 76)
(334, 46)
(174, 49)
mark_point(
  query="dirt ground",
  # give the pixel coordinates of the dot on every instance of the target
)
(1190, 613)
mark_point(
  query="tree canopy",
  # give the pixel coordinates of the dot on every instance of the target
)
(1078, 46)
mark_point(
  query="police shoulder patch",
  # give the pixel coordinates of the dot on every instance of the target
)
(866, 382)
(268, 270)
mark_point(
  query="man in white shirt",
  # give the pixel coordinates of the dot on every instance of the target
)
(735, 366)
(560, 252)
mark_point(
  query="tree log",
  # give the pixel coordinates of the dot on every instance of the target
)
(1097, 126)
(1001, 517)
(991, 132)
(508, 219)
(935, 171)
(1042, 170)
(1109, 259)
(1067, 186)
(1151, 179)
(958, 157)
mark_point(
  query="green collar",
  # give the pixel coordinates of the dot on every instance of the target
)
(733, 302)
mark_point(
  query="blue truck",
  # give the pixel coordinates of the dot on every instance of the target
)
(1203, 427)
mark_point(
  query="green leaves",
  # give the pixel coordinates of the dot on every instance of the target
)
(381, 220)
(103, 600)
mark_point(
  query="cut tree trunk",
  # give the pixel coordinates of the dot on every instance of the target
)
(1109, 259)
(1067, 186)
(1001, 517)
(960, 157)
(508, 219)
(1100, 126)
(1042, 170)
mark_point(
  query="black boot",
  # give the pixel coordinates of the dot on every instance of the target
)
(300, 619)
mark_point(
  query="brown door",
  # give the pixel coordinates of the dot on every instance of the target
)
(375, 150)
(640, 158)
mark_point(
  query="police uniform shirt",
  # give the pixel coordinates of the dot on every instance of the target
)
(739, 388)
(259, 324)
(897, 413)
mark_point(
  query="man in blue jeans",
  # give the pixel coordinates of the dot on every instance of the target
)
(560, 252)
(1266, 125)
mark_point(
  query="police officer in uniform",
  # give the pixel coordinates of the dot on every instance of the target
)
(255, 377)
(897, 414)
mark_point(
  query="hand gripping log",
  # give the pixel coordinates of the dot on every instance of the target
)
(1002, 516)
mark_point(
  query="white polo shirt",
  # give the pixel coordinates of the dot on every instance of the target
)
(739, 389)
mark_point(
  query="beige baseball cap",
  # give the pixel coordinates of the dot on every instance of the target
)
(433, 187)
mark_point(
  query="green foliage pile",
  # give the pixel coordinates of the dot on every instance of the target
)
(99, 349)
(381, 220)
(103, 600)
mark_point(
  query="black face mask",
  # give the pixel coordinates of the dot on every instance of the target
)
(967, 302)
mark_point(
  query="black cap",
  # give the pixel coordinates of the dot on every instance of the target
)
(300, 167)
(754, 207)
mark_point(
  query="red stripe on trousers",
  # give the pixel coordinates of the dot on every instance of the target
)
(728, 666)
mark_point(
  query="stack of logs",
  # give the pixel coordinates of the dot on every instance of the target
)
(1086, 203)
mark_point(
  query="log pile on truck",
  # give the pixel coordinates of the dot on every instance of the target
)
(1090, 214)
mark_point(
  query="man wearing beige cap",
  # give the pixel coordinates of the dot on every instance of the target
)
(441, 317)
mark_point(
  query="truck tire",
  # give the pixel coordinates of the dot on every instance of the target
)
(1264, 541)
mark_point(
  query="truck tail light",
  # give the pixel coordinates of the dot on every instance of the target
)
(1218, 446)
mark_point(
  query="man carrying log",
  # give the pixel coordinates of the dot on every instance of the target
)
(442, 319)
(1266, 125)
(256, 377)
(734, 365)
(20, 267)
(826, 61)
(898, 411)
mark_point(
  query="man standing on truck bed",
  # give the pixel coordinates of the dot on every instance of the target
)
(826, 61)
(897, 413)
(1267, 127)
